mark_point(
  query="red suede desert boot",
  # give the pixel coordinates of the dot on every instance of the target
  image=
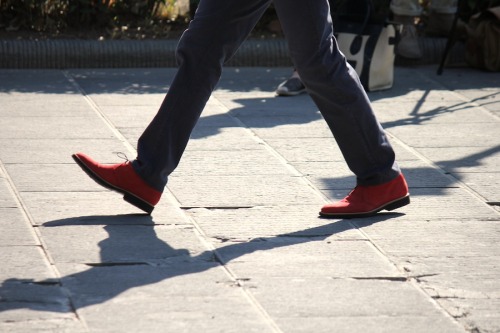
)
(368, 200)
(121, 178)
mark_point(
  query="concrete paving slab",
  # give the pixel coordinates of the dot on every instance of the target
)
(118, 100)
(207, 138)
(48, 151)
(7, 198)
(130, 81)
(285, 298)
(258, 162)
(54, 106)
(430, 204)
(286, 257)
(62, 325)
(47, 294)
(437, 260)
(175, 314)
(484, 184)
(482, 88)
(222, 139)
(279, 127)
(421, 238)
(321, 150)
(16, 230)
(57, 128)
(418, 112)
(452, 135)
(51, 178)
(244, 224)
(35, 82)
(420, 174)
(456, 285)
(95, 208)
(186, 296)
(127, 116)
(430, 266)
(478, 316)
(464, 159)
(110, 244)
(375, 324)
(306, 149)
(23, 262)
(337, 176)
(226, 191)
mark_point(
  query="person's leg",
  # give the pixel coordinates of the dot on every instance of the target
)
(335, 88)
(217, 30)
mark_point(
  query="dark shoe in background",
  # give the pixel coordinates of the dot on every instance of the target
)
(291, 87)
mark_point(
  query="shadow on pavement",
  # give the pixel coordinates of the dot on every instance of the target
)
(147, 261)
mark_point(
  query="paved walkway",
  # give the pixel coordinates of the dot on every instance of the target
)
(236, 244)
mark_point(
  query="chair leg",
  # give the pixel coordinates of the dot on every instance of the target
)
(449, 44)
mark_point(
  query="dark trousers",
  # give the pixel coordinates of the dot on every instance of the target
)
(217, 30)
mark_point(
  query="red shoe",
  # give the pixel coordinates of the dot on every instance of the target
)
(121, 178)
(368, 200)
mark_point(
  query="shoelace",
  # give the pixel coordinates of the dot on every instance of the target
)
(122, 155)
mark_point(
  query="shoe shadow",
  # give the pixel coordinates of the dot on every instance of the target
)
(133, 256)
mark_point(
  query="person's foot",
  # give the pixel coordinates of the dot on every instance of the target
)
(121, 178)
(366, 201)
(291, 87)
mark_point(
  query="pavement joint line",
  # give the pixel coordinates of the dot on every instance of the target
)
(27, 216)
(377, 248)
(41, 244)
(444, 173)
(98, 112)
(462, 97)
(287, 165)
(205, 240)
(202, 235)
(418, 286)
(412, 279)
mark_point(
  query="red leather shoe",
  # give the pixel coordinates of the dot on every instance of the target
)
(368, 200)
(121, 178)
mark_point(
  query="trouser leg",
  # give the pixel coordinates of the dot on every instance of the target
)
(335, 88)
(219, 27)
(217, 30)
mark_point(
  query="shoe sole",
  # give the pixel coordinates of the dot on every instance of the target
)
(398, 203)
(127, 196)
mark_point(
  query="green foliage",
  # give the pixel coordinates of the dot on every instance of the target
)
(57, 15)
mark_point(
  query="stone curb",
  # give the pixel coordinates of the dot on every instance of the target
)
(59, 54)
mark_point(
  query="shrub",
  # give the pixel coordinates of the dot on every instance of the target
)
(58, 15)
